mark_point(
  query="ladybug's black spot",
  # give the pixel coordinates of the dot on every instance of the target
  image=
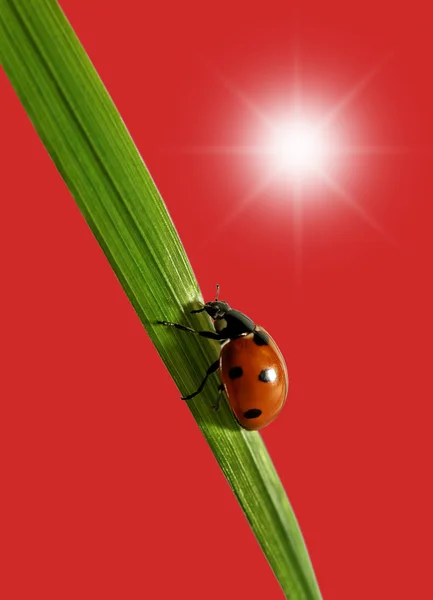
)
(261, 338)
(253, 413)
(235, 372)
(268, 375)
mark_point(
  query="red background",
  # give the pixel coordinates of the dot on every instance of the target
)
(108, 488)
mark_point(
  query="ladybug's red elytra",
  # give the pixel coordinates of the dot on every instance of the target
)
(252, 369)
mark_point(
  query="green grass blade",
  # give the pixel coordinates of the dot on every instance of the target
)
(90, 146)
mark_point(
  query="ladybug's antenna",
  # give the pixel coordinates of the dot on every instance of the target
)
(217, 292)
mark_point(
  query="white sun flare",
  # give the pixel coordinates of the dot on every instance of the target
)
(298, 147)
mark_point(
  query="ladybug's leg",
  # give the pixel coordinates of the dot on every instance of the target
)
(214, 367)
(212, 335)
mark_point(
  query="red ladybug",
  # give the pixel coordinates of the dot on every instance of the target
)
(252, 369)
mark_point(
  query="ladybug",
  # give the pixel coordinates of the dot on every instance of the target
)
(252, 369)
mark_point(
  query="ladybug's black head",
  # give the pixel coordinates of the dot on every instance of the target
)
(229, 323)
(216, 310)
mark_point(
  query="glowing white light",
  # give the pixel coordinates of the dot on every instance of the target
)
(298, 148)
(298, 142)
